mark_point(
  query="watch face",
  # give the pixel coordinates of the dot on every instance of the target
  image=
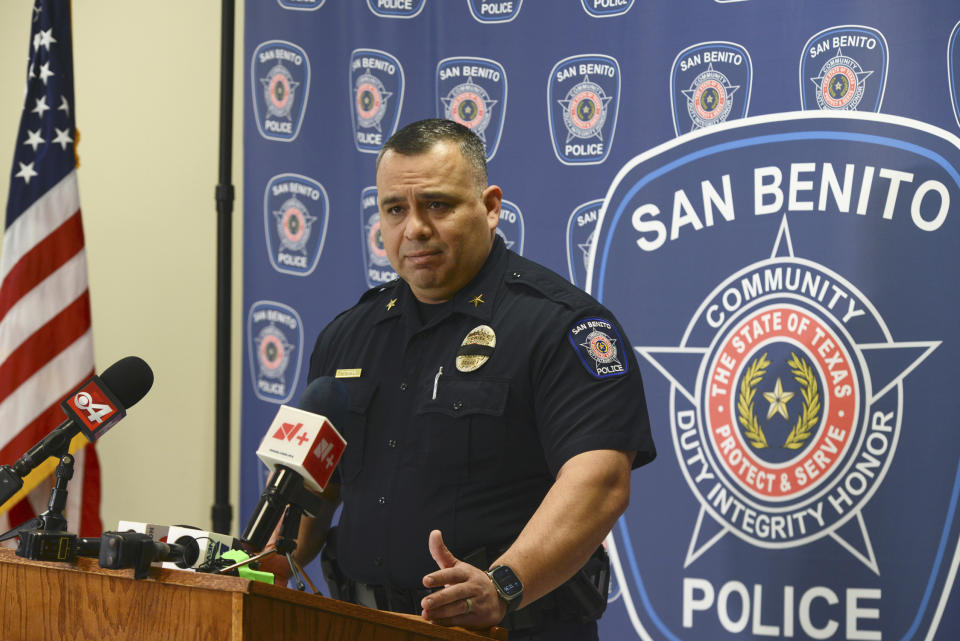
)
(507, 581)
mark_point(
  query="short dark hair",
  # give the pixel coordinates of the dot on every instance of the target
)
(419, 137)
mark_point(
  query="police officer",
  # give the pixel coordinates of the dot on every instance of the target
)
(496, 413)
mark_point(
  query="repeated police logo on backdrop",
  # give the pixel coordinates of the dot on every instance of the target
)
(844, 69)
(280, 83)
(301, 5)
(275, 347)
(493, 11)
(473, 92)
(377, 269)
(798, 392)
(376, 93)
(710, 83)
(295, 214)
(606, 8)
(510, 227)
(953, 69)
(396, 8)
(581, 230)
(583, 97)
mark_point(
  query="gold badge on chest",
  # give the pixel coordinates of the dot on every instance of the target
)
(476, 348)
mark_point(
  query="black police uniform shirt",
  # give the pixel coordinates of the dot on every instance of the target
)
(433, 443)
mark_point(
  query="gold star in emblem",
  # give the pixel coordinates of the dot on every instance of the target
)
(778, 401)
(391, 304)
(476, 300)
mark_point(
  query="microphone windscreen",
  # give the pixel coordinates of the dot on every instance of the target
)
(129, 379)
(326, 396)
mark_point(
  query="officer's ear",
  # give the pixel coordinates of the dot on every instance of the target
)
(492, 197)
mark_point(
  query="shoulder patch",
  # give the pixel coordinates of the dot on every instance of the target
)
(597, 343)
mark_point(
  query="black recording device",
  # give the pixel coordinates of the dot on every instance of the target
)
(121, 550)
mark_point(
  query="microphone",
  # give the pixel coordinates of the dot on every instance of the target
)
(119, 550)
(302, 448)
(92, 409)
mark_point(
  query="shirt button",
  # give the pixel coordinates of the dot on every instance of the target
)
(391, 443)
(382, 500)
(403, 387)
(457, 405)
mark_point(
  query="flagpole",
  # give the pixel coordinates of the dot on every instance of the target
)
(222, 512)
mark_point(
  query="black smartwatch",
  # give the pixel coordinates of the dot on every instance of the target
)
(508, 585)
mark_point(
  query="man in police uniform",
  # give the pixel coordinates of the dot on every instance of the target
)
(496, 413)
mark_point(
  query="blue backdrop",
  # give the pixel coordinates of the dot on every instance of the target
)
(761, 191)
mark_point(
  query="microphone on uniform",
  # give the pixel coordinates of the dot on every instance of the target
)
(91, 409)
(302, 448)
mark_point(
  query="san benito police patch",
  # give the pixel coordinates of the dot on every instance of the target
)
(581, 230)
(301, 5)
(377, 267)
(511, 228)
(597, 343)
(275, 335)
(473, 92)
(492, 11)
(280, 83)
(606, 8)
(583, 95)
(376, 93)
(844, 69)
(295, 214)
(709, 84)
(396, 8)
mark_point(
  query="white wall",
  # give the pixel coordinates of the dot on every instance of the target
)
(147, 101)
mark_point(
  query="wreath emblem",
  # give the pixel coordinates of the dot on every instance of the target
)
(810, 411)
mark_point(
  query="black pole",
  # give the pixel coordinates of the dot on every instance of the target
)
(222, 512)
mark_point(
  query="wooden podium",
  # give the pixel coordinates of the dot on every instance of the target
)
(42, 601)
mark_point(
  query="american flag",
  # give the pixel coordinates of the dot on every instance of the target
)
(46, 344)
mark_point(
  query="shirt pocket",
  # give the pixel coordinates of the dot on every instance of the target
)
(360, 393)
(460, 431)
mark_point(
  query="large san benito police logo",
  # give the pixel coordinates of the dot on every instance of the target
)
(797, 350)
(953, 69)
(295, 215)
(473, 92)
(377, 268)
(583, 97)
(275, 347)
(376, 96)
(494, 11)
(396, 8)
(709, 83)
(844, 68)
(280, 84)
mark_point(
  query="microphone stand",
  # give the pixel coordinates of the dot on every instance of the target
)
(285, 544)
(45, 538)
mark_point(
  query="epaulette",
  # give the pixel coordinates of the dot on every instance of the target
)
(549, 284)
(373, 291)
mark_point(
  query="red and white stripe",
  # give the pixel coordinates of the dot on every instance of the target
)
(46, 344)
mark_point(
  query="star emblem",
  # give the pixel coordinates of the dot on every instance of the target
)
(778, 401)
(26, 172)
(46, 38)
(41, 106)
(34, 139)
(63, 138)
(391, 304)
(45, 72)
(476, 300)
(64, 105)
